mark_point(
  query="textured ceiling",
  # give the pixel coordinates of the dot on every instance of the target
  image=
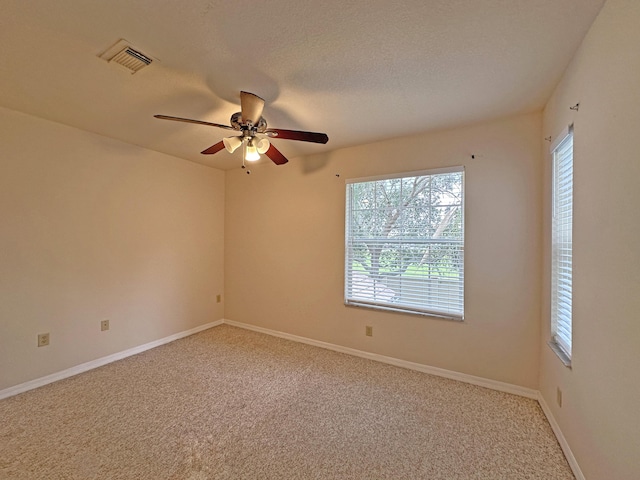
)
(358, 71)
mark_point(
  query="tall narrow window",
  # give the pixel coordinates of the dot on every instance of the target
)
(561, 248)
(405, 243)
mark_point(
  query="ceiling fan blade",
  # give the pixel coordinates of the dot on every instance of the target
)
(298, 135)
(213, 149)
(251, 106)
(276, 157)
(198, 122)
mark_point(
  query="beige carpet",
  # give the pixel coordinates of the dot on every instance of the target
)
(233, 404)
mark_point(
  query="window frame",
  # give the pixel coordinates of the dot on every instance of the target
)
(349, 300)
(562, 203)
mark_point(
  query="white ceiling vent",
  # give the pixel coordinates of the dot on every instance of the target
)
(123, 54)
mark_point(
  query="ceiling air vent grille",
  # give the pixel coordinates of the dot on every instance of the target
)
(123, 54)
(131, 59)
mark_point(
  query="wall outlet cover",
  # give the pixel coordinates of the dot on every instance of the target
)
(43, 339)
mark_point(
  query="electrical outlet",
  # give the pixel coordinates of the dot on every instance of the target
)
(104, 325)
(368, 331)
(218, 298)
(559, 397)
(43, 339)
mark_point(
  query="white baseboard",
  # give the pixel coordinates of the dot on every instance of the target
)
(462, 377)
(83, 367)
(573, 463)
(441, 372)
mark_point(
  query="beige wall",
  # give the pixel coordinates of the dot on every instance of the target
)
(284, 255)
(92, 228)
(600, 415)
(97, 229)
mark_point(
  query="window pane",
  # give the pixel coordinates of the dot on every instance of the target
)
(405, 244)
(562, 244)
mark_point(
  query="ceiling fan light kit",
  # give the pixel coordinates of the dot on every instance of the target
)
(232, 143)
(255, 132)
(263, 145)
(251, 152)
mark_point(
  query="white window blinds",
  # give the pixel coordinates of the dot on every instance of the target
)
(405, 243)
(561, 249)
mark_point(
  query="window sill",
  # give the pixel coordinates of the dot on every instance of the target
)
(564, 358)
(384, 308)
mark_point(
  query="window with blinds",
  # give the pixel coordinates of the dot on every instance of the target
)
(561, 242)
(405, 243)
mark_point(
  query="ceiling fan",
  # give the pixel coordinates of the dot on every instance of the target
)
(254, 133)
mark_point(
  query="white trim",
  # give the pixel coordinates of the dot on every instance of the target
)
(560, 138)
(419, 173)
(440, 372)
(573, 463)
(559, 351)
(462, 377)
(413, 311)
(99, 362)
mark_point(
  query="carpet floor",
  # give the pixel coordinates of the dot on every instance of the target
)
(228, 403)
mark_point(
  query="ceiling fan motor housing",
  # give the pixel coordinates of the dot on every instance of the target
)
(236, 122)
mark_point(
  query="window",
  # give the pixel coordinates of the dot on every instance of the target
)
(561, 243)
(405, 243)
